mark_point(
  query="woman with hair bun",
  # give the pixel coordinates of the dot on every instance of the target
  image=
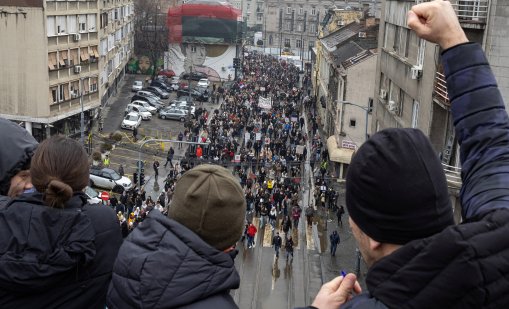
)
(56, 250)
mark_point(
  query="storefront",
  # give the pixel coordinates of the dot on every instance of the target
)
(340, 157)
(70, 126)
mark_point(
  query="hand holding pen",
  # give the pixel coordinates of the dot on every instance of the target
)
(336, 292)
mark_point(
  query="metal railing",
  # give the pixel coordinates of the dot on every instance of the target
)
(453, 176)
(440, 88)
(471, 10)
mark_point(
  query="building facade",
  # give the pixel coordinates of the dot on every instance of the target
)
(346, 58)
(294, 26)
(411, 90)
(57, 61)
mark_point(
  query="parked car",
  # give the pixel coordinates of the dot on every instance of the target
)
(186, 98)
(204, 82)
(175, 80)
(146, 105)
(159, 92)
(173, 113)
(194, 76)
(144, 113)
(167, 73)
(153, 102)
(160, 84)
(137, 85)
(145, 93)
(131, 121)
(109, 179)
(93, 195)
(195, 93)
(187, 106)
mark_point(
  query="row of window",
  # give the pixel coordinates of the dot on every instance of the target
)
(301, 10)
(397, 99)
(288, 42)
(116, 14)
(404, 43)
(71, 90)
(70, 24)
(108, 43)
(71, 57)
(310, 27)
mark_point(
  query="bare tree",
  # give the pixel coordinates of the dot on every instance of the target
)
(150, 31)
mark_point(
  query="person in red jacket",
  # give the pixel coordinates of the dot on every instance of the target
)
(199, 152)
(251, 232)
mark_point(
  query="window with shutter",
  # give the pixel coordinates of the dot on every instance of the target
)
(52, 61)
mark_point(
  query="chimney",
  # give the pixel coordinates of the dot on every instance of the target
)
(370, 21)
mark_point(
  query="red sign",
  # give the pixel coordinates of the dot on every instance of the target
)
(104, 196)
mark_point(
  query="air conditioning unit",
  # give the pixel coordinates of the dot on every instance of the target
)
(340, 23)
(362, 34)
(77, 37)
(416, 72)
(383, 94)
(74, 94)
(77, 69)
(393, 107)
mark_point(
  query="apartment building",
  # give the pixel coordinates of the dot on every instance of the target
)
(56, 62)
(116, 30)
(346, 58)
(411, 90)
(294, 25)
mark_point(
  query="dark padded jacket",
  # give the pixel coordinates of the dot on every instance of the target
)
(56, 258)
(464, 266)
(163, 264)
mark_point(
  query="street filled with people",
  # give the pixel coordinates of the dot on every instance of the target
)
(259, 132)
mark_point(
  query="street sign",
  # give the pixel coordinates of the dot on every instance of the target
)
(348, 144)
(104, 196)
(299, 149)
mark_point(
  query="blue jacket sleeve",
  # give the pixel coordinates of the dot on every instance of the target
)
(482, 130)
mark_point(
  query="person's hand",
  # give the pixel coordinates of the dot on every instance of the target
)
(436, 22)
(337, 292)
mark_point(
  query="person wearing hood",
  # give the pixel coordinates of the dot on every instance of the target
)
(15, 160)
(187, 258)
(56, 250)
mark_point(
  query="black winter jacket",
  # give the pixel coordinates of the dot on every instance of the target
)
(464, 266)
(56, 258)
(163, 264)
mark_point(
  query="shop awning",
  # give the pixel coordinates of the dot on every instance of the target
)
(336, 154)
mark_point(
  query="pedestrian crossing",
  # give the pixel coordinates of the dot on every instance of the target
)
(268, 233)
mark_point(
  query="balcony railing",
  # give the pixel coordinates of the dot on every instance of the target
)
(453, 176)
(440, 89)
(475, 11)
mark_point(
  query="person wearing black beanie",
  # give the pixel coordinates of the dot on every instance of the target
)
(397, 197)
(396, 190)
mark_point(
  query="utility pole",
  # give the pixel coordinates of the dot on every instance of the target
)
(302, 42)
(82, 116)
(280, 30)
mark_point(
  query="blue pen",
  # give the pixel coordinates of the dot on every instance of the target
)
(343, 273)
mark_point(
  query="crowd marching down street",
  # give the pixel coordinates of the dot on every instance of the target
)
(260, 132)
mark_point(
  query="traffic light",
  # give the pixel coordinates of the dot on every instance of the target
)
(135, 178)
(142, 177)
(236, 63)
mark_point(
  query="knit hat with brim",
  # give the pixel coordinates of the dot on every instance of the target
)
(396, 190)
(210, 202)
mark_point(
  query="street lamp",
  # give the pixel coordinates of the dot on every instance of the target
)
(366, 109)
(82, 120)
